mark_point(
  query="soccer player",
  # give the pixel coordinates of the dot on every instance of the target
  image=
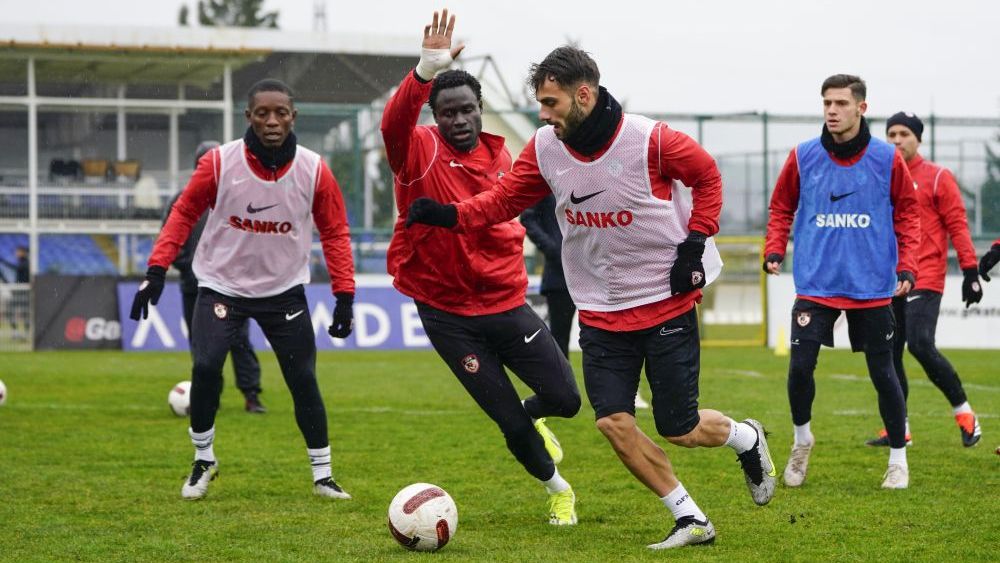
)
(942, 216)
(470, 288)
(856, 241)
(635, 255)
(246, 366)
(265, 192)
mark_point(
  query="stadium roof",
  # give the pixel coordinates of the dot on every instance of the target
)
(321, 67)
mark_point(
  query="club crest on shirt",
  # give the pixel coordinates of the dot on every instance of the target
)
(471, 363)
(803, 318)
(220, 310)
(500, 175)
(696, 278)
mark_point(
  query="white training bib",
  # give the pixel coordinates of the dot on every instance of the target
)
(257, 238)
(619, 241)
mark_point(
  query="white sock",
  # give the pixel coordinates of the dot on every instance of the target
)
(681, 504)
(555, 484)
(742, 436)
(908, 425)
(803, 435)
(897, 456)
(320, 460)
(203, 444)
(964, 407)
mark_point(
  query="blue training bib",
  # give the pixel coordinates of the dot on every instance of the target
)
(845, 244)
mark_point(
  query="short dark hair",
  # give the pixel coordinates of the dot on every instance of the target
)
(454, 79)
(566, 65)
(858, 88)
(270, 85)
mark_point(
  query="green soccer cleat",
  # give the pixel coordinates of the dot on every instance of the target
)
(551, 443)
(562, 508)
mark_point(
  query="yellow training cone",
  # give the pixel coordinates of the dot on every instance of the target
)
(781, 344)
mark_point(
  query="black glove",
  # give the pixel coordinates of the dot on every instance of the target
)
(343, 316)
(906, 276)
(772, 257)
(972, 291)
(149, 292)
(989, 260)
(429, 212)
(688, 273)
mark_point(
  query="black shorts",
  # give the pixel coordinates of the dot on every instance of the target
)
(870, 330)
(613, 362)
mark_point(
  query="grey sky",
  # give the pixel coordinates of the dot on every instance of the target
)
(670, 56)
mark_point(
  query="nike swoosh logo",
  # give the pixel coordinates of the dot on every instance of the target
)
(239, 180)
(577, 200)
(291, 316)
(528, 339)
(840, 197)
(912, 298)
(563, 171)
(252, 209)
(455, 164)
(665, 332)
(890, 335)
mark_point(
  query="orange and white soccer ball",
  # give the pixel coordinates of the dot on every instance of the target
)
(423, 517)
(179, 399)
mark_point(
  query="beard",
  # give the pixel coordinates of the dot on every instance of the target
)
(573, 120)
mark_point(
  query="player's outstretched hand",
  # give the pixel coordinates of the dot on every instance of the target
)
(343, 316)
(436, 53)
(688, 273)
(149, 292)
(772, 263)
(989, 260)
(972, 290)
(429, 212)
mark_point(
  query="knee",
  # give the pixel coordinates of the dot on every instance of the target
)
(570, 404)
(615, 427)
(921, 346)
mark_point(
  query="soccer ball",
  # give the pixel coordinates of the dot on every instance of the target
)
(3, 394)
(422, 517)
(179, 399)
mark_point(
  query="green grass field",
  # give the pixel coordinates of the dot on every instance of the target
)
(91, 464)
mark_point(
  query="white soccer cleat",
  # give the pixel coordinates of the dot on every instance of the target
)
(798, 462)
(202, 473)
(687, 531)
(327, 487)
(758, 467)
(896, 477)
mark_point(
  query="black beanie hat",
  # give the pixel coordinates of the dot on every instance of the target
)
(908, 120)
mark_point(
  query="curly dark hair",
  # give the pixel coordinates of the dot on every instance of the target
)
(566, 65)
(454, 79)
(270, 85)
